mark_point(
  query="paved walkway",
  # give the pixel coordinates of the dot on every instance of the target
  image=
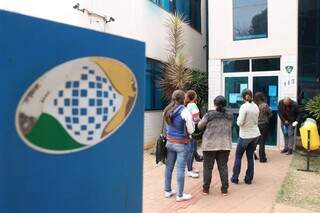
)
(258, 197)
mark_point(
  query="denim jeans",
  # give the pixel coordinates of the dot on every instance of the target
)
(289, 137)
(248, 146)
(192, 147)
(176, 153)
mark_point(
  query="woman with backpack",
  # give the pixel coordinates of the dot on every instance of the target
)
(216, 143)
(179, 127)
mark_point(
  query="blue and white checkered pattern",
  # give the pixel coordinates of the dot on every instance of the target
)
(86, 104)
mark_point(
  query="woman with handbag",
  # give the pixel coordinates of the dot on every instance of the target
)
(179, 127)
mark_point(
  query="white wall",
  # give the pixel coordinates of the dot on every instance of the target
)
(282, 31)
(282, 41)
(137, 19)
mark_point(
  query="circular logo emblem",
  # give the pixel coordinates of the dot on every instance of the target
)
(76, 105)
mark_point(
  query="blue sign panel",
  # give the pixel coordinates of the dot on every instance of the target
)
(71, 136)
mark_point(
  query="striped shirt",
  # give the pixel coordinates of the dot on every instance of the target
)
(192, 107)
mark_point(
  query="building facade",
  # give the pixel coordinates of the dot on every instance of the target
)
(142, 20)
(269, 46)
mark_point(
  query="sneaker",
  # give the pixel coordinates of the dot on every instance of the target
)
(169, 194)
(184, 197)
(284, 151)
(224, 194)
(195, 170)
(192, 174)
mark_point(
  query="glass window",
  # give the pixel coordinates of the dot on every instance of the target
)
(195, 14)
(153, 94)
(266, 64)
(190, 9)
(250, 19)
(308, 50)
(233, 88)
(236, 66)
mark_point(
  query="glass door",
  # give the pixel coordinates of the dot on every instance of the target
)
(233, 89)
(268, 85)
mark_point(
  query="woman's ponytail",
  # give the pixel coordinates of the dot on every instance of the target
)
(247, 95)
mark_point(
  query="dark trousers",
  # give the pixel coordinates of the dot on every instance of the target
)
(221, 157)
(191, 154)
(248, 146)
(264, 131)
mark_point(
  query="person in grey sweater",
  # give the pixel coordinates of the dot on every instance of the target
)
(248, 137)
(216, 143)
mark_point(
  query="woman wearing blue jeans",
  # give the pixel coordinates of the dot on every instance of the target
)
(248, 137)
(179, 126)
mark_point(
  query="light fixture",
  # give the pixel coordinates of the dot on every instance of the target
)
(90, 13)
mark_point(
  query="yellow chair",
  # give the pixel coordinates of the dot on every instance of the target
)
(310, 125)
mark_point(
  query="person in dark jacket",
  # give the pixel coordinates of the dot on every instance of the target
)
(265, 114)
(290, 113)
(216, 143)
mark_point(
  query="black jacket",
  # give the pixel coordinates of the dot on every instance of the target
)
(294, 112)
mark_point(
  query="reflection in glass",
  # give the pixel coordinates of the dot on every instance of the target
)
(153, 94)
(309, 50)
(236, 66)
(250, 19)
(268, 85)
(233, 89)
(266, 64)
(190, 9)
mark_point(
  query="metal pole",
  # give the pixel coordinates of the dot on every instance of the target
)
(308, 154)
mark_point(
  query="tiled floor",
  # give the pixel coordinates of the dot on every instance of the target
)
(258, 197)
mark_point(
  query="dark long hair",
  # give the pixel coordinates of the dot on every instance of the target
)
(259, 98)
(247, 95)
(177, 99)
(220, 102)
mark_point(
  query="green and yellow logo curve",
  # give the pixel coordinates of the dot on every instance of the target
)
(76, 105)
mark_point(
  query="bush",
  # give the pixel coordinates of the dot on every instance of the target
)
(199, 83)
(313, 108)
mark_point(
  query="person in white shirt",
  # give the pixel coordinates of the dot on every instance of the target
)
(248, 137)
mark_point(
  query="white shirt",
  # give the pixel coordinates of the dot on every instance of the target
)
(248, 120)
(186, 115)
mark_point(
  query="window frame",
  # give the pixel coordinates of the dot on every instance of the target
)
(188, 22)
(154, 79)
(249, 37)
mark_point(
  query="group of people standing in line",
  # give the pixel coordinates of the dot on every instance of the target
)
(182, 119)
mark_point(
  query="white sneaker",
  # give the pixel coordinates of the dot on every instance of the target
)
(195, 170)
(192, 174)
(169, 194)
(184, 197)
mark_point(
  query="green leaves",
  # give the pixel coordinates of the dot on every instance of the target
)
(313, 107)
(176, 74)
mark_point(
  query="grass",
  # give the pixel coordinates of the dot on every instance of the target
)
(301, 189)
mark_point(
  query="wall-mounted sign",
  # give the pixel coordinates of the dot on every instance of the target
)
(71, 118)
(76, 105)
(288, 82)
